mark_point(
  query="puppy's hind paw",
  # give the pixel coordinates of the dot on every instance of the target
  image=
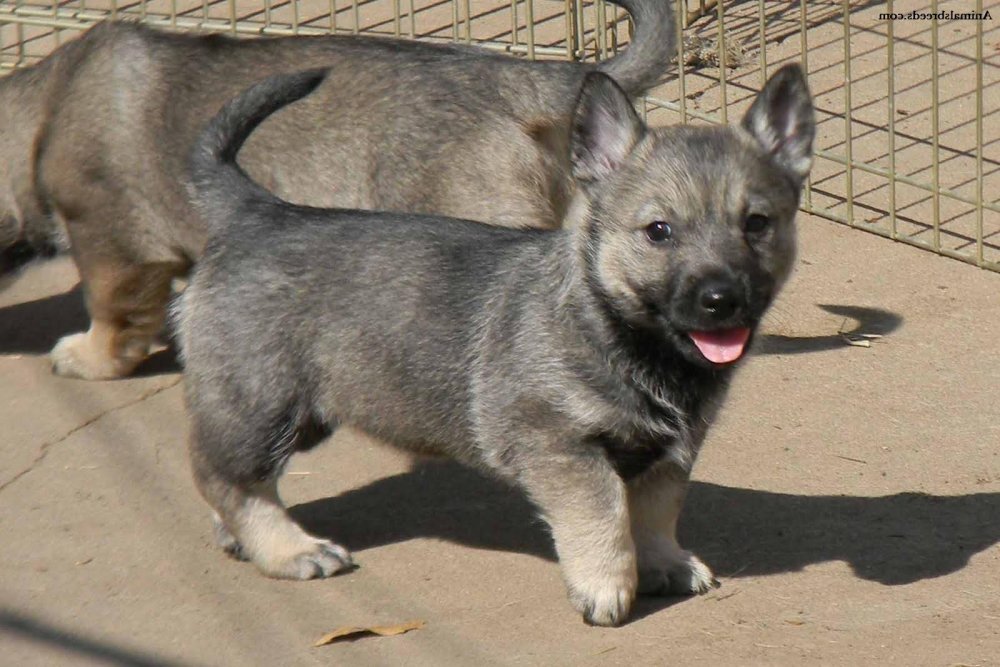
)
(76, 357)
(317, 559)
(325, 561)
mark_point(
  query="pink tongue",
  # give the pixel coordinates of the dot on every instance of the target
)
(721, 347)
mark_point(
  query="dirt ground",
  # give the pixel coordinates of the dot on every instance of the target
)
(849, 500)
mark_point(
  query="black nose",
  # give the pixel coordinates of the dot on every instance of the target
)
(719, 300)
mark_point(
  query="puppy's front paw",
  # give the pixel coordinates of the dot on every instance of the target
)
(681, 573)
(604, 601)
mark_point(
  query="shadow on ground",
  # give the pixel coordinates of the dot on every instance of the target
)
(34, 327)
(865, 321)
(17, 625)
(896, 539)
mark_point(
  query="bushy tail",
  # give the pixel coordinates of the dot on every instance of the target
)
(218, 184)
(653, 45)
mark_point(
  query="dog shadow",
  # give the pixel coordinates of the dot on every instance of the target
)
(34, 327)
(892, 540)
(866, 321)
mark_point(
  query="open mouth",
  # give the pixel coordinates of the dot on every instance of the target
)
(722, 346)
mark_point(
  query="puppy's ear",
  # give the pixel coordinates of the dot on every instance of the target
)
(783, 122)
(605, 128)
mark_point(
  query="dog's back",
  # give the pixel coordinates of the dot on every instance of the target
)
(394, 128)
(399, 126)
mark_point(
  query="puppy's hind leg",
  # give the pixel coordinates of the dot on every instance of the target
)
(253, 524)
(127, 303)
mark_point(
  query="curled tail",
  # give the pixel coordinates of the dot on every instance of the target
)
(218, 184)
(653, 45)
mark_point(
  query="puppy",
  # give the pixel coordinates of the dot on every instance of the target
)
(94, 143)
(583, 365)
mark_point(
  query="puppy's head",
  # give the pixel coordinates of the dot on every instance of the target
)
(690, 230)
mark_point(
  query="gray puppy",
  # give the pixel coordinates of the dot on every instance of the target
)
(94, 142)
(584, 365)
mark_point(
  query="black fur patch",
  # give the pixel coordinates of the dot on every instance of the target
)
(292, 433)
(18, 254)
(631, 458)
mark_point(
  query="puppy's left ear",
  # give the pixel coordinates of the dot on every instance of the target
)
(783, 121)
(605, 128)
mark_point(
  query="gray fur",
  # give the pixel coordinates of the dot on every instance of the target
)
(94, 142)
(558, 360)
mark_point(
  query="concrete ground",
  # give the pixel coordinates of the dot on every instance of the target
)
(849, 500)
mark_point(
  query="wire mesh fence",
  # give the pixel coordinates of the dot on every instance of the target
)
(907, 92)
(543, 28)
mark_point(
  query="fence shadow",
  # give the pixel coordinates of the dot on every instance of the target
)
(895, 539)
(21, 626)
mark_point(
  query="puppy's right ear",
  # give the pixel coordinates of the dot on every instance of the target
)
(605, 128)
(783, 121)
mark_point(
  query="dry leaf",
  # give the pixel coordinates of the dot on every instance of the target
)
(859, 339)
(353, 632)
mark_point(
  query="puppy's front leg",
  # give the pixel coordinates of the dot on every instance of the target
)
(586, 504)
(655, 502)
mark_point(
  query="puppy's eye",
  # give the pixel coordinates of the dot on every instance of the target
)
(756, 224)
(658, 231)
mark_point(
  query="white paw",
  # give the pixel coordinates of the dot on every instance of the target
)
(682, 573)
(74, 357)
(321, 559)
(65, 357)
(604, 601)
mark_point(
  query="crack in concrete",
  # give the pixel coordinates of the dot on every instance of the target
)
(43, 450)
